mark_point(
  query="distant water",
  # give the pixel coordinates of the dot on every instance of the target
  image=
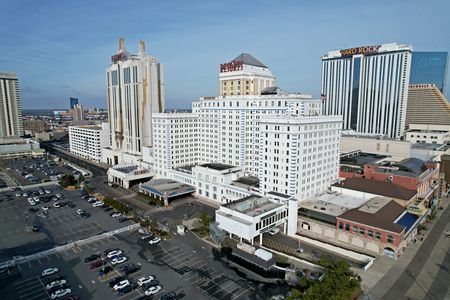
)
(37, 112)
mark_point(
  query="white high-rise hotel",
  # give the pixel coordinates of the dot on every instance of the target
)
(274, 136)
(369, 87)
(135, 91)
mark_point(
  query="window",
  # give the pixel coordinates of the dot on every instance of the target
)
(378, 235)
(362, 231)
(355, 229)
(370, 233)
(390, 239)
(347, 227)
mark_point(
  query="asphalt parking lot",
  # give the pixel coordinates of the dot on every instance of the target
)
(63, 224)
(26, 171)
(183, 265)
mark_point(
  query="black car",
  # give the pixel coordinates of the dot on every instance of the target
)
(131, 269)
(33, 210)
(53, 278)
(116, 280)
(105, 270)
(63, 203)
(36, 228)
(127, 289)
(71, 204)
(85, 215)
(150, 284)
(108, 209)
(123, 219)
(92, 258)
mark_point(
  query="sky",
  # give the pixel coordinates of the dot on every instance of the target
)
(60, 49)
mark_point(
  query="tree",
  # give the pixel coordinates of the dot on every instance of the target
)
(80, 178)
(205, 219)
(67, 180)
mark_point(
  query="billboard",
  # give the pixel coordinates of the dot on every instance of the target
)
(360, 50)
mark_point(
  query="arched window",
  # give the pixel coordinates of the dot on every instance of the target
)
(370, 233)
(341, 225)
(362, 231)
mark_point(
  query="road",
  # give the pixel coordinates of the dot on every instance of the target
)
(427, 275)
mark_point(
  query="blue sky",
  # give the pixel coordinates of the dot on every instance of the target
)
(60, 49)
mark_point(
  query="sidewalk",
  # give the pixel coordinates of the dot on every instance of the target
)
(385, 272)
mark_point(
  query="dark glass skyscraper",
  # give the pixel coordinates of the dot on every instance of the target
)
(429, 67)
(73, 102)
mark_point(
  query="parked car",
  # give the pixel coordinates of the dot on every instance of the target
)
(144, 280)
(150, 284)
(97, 263)
(60, 293)
(33, 210)
(105, 270)
(71, 204)
(49, 271)
(154, 240)
(274, 231)
(107, 208)
(121, 284)
(127, 289)
(80, 211)
(146, 236)
(130, 269)
(115, 214)
(92, 258)
(55, 283)
(113, 253)
(97, 204)
(118, 260)
(123, 219)
(116, 280)
(153, 290)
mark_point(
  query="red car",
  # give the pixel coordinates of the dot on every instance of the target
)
(97, 263)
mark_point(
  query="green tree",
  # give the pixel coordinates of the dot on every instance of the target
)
(67, 180)
(88, 189)
(205, 219)
(80, 178)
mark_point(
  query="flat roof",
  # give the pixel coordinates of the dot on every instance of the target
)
(359, 158)
(247, 181)
(426, 146)
(279, 194)
(217, 166)
(168, 187)
(333, 203)
(252, 205)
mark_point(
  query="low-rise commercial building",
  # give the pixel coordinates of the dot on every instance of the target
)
(127, 175)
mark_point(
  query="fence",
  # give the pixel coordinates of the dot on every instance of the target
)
(25, 259)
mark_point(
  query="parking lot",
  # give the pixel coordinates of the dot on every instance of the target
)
(183, 266)
(26, 171)
(62, 225)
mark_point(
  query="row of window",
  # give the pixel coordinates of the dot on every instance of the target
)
(362, 231)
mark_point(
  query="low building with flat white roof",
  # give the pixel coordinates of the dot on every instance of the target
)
(251, 216)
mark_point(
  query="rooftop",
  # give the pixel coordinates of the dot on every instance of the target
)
(383, 188)
(333, 203)
(426, 146)
(252, 205)
(247, 181)
(168, 187)
(217, 166)
(359, 158)
(378, 212)
(248, 59)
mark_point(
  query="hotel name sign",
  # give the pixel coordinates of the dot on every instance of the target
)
(360, 50)
(231, 66)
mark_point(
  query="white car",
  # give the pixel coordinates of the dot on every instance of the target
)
(144, 280)
(116, 215)
(97, 203)
(274, 231)
(48, 191)
(31, 201)
(18, 194)
(57, 204)
(49, 271)
(55, 283)
(118, 260)
(80, 211)
(121, 284)
(154, 240)
(45, 208)
(114, 253)
(153, 290)
(60, 293)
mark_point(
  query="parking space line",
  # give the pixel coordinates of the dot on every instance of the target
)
(27, 295)
(25, 280)
(29, 264)
(43, 286)
(239, 295)
(48, 257)
(39, 261)
(24, 286)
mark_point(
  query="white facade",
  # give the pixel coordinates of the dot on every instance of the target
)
(10, 108)
(250, 217)
(429, 134)
(299, 155)
(175, 140)
(135, 90)
(369, 87)
(88, 141)
(229, 126)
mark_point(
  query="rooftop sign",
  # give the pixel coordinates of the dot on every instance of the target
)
(117, 57)
(360, 50)
(231, 66)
